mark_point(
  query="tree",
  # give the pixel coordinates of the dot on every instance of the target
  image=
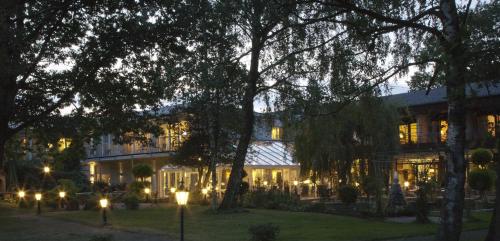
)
(495, 218)
(443, 24)
(95, 57)
(142, 171)
(481, 157)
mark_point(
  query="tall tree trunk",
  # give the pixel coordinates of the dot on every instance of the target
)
(233, 186)
(495, 219)
(453, 198)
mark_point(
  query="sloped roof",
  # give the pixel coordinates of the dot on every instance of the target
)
(262, 154)
(269, 153)
(438, 95)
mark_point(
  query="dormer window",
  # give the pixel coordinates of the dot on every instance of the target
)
(277, 133)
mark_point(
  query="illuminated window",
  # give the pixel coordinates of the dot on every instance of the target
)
(408, 133)
(403, 134)
(413, 133)
(492, 122)
(277, 133)
(443, 130)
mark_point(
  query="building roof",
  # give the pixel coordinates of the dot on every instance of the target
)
(438, 95)
(269, 153)
(263, 154)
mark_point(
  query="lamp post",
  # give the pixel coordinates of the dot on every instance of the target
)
(147, 191)
(21, 194)
(62, 195)
(104, 204)
(182, 198)
(204, 191)
(38, 198)
(46, 169)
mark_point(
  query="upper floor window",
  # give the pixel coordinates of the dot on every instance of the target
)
(443, 130)
(408, 133)
(492, 122)
(277, 133)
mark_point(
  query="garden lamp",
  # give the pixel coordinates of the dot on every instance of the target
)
(104, 204)
(173, 189)
(21, 194)
(295, 183)
(182, 197)
(406, 184)
(62, 195)
(38, 198)
(147, 191)
(46, 169)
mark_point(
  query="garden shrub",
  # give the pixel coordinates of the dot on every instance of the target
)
(91, 203)
(264, 232)
(481, 156)
(101, 187)
(371, 185)
(68, 186)
(272, 199)
(26, 203)
(318, 207)
(72, 204)
(137, 187)
(481, 180)
(422, 208)
(131, 201)
(118, 187)
(323, 192)
(348, 194)
(142, 171)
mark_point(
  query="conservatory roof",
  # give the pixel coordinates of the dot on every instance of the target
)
(263, 154)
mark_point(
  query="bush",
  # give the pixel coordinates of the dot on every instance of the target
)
(272, 199)
(26, 203)
(142, 171)
(422, 208)
(481, 180)
(137, 187)
(101, 187)
(481, 156)
(72, 204)
(131, 201)
(323, 192)
(264, 232)
(90, 203)
(371, 185)
(118, 187)
(348, 194)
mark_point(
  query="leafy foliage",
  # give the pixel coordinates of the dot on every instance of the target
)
(142, 171)
(264, 232)
(348, 194)
(481, 156)
(481, 179)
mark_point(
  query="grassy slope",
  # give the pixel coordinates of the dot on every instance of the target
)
(202, 225)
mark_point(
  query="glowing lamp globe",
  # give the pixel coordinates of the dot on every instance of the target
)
(46, 169)
(21, 194)
(182, 197)
(104, 203)
(295, 183)
(173, 189)
(265, 183)
(147, 190)
(62, 194)
(38, 196)
(406, 184)
(204, 191)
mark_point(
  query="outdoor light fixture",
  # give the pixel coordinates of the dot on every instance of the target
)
(265, 183)
(406, 184)
(173, 189)
(62, 195)
(295, 183)
(147, 191)
(182, 197)
(46, 169)
(307, 181)
(356, 184)
(204, 191)
(21, 194)
(104, 204)
(38, 198)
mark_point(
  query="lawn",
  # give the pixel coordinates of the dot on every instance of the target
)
(202, 225)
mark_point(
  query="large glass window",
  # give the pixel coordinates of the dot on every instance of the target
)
(408, 133)
(492, 122)
(277, 133)
(443, 130)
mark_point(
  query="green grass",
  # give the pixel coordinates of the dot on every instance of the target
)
(202, 225)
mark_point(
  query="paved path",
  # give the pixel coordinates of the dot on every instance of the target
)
(33, 228)
(477, 235)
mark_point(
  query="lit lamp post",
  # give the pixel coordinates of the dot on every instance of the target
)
(204, 191)
(46, 169)
(62, 195)
(147, 191)
(172, 191)
(182, 198)
(407, 185)
(38, 198)
(21, 194)
(104, 204)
